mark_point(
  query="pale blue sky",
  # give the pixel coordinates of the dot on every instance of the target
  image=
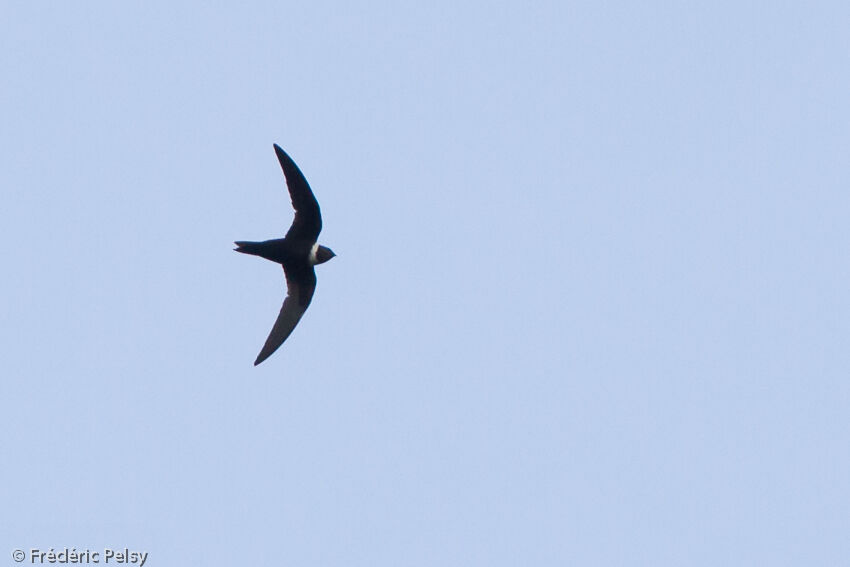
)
(590, 304)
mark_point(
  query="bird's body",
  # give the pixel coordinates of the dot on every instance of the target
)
(297, 252)
(282, 251)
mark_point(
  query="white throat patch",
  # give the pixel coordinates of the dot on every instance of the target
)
(313, 251)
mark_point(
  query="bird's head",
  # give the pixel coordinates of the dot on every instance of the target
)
(323, 254)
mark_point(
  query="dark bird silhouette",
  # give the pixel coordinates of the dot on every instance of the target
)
(297, 252)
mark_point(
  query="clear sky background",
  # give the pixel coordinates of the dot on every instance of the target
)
(590, 304)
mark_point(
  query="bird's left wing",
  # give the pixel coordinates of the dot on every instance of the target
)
(300, 284)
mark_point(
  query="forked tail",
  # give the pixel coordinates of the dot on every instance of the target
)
(248, 247)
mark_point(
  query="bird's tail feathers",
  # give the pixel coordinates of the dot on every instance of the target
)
(248, 247)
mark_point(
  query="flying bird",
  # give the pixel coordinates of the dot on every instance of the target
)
(297, 252)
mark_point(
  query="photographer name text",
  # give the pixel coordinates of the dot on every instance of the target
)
(108, 556)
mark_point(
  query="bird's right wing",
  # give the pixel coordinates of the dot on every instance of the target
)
(300, 286)
(308, 219)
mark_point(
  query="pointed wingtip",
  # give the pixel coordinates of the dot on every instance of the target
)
(282, 156)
